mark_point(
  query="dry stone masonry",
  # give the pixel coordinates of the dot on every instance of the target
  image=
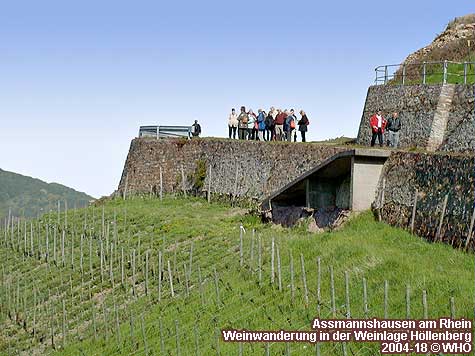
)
(434, 176)
(242, 168)
(434, 117)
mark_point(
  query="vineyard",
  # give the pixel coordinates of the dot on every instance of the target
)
(146, 276)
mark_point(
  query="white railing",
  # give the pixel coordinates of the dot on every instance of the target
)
(160, 131)
(426, 73)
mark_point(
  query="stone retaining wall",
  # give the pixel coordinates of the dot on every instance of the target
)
(262, 167)
(417, 105)
(434, 176)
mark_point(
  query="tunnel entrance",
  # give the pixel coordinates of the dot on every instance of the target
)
(344, 182)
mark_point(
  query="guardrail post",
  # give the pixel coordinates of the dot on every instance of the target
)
(445, 72)
(376, 76)
(403, 74)
(464, 72)
(157, 131)
(385, 74)
(424, 72)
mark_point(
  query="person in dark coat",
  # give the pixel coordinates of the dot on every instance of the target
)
(303, 123)
(195, 129)
(270, 126)
(393, 127)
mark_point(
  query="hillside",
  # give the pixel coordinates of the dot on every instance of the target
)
(452, 44)
(145, 276)
(28, 197)
(455, 44)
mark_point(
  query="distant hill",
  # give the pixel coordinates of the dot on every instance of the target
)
(28, 197)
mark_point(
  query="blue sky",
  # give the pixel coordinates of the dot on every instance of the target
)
(79, 77)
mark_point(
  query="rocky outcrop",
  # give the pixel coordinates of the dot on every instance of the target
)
(451, 44)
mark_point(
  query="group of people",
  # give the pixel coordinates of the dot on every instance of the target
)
(379, 124)
(276, 125)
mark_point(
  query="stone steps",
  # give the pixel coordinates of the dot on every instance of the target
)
(439, 123)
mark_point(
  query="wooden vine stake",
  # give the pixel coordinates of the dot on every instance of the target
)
(381, 203)
(241, 252)
(160, 270)
(133, 273)
(117, 325)
(171, 279)
(292, 286)
(386, 296)
(218, 300)
(272, 259)
(304, 280)
(183, 182)
(452, 307)
(161, 184)
(177, 338)
(111, 266)
(146, 272)
(259, 257)
(442, 214)
(424, 304)
(209, 185)
(279, 272)
(365, 298)
(319, 282)
(144, 335)
(64, 324)
(190, 263)
(470, 230)
(347, 295)
(332, 293)
(414, 208)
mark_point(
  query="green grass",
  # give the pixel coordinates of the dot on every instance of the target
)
(435, 74)
(364, 248)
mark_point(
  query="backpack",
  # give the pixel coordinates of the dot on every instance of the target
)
(292, 123)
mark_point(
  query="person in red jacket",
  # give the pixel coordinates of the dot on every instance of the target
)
(279, 125)
(378, 124)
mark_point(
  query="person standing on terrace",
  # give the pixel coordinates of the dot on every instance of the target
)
(303, 123)
(394, 126)
(242, 123)
(378, 124)
(233, 123)
(279, 125)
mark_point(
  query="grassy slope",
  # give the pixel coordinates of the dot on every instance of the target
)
(364, 248)
(27, 196)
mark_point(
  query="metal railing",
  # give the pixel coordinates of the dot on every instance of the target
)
(426, 73)
(160, 131)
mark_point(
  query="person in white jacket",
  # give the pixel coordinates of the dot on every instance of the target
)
(250, 124)
(232, 123)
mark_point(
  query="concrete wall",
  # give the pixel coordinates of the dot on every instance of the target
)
(434, 176)
(261, 167)
(417, 105)
(365, 174)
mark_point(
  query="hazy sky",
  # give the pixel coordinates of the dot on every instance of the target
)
(77, 78)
